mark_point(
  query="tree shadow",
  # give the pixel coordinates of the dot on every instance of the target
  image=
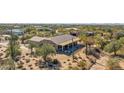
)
(119, 55)
(50, 65)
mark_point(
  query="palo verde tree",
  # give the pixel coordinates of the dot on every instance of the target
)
(110, 31)
(84, 38)
(100, 41)
(113, 64)
(45, 51)
(113, 46)
(88, 41)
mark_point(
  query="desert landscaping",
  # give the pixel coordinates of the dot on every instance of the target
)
(61, 47)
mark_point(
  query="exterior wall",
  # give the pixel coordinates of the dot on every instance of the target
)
(34, 43)
(49, 42)
(44, 42)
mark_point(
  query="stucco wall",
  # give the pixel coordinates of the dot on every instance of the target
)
(49, 42)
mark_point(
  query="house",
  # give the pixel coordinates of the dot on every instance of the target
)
(75, 33)
(61, 43)
(41, 28)
(72, 28)
(87, 33)
(17, 32)
(90, 33)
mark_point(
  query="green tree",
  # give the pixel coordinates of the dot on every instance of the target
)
(31, 46)
(119, 35)
(113, 64)
(13, 51)
(100, 41)
(82, 65)
(29, 29)
(121, 40)
(13, 48)
(2, 29)
(88, 41)
(84, 38)
(45, 50)
(113, 46)
(7, 64)
(110, 31)
(25, 37)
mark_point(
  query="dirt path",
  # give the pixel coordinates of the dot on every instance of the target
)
(100, 63)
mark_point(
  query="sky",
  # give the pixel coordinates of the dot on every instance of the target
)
(61, 11)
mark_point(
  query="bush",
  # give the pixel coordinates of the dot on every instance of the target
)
(55, 61)
(73, 68)
(82, 65)
(113, 46)
(7, 64)
(113, 64)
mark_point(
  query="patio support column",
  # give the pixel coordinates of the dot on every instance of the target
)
(62, 48)
(68, 46)
(73, 44)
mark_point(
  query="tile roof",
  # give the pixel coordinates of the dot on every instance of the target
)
(62, 38)
(57, 39)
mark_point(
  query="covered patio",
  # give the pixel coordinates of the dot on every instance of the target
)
(68, 48)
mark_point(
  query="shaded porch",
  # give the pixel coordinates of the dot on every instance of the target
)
(69, 48)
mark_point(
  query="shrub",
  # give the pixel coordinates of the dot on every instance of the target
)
(113, 64)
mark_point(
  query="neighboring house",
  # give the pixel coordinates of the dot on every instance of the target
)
(41, 28)
(61, 43)
(90, 33)
(87, 33)
(15, 32)
(38, 27)
(119, 34)
(72, 28)
(75, 33)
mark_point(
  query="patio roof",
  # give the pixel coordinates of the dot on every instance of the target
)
(64, 39)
